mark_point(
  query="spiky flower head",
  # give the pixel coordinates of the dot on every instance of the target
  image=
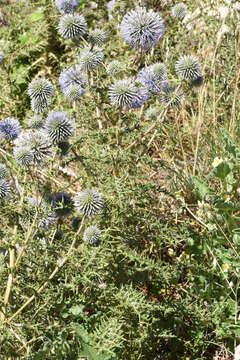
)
(35, 122)
(3, 171)
(72, 26)
(32, 147)
(4, 188)
(90, 59)
(179, 11)
(96, 37)
(10, 129)
(67, 6)
(171, 96)
(152, 113)
(123, 93)
(1, 57)
(89, 202)
(188, 68)
(58, 126)
(142, 28)
(153, 77)
(92, 235)
(115, 68)
(40, 91)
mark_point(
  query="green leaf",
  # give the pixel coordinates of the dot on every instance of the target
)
(37, 16)
(222, 170)
(76, 310)
(201, 187)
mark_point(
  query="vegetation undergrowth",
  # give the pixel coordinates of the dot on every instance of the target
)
(119, 180)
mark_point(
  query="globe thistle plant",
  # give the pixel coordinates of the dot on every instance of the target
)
(96, 37)
(3, 171)
(10, 129)
(35, 122)
(32, 147)
(89, 202)
(90, 59)
(188, 68)
(72, 26)
(4, 188)
(179, 11)
(40, 91)
(171, 96)
(92, 235)
(153, 76)
(123, 93)
(67, 6)
(59, 127)
(115, 68)
(142, 28)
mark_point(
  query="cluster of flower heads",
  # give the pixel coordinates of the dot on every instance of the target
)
(40, 91)
(32, 147)
(73, 83)
(4, 183)
(90, 202)
(142, 29)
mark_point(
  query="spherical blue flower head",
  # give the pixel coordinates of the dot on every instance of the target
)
(72, 76)
(58, 126)
(90, 59)
(67, 6)
(4, 188)
(92, 235)
(1, 58)
(124, 93)
(10, 129)
(72, 26)
(188, 68)
(32, 147)
(142, 28)
(89, 202)
(142, 96)
(153, 77)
